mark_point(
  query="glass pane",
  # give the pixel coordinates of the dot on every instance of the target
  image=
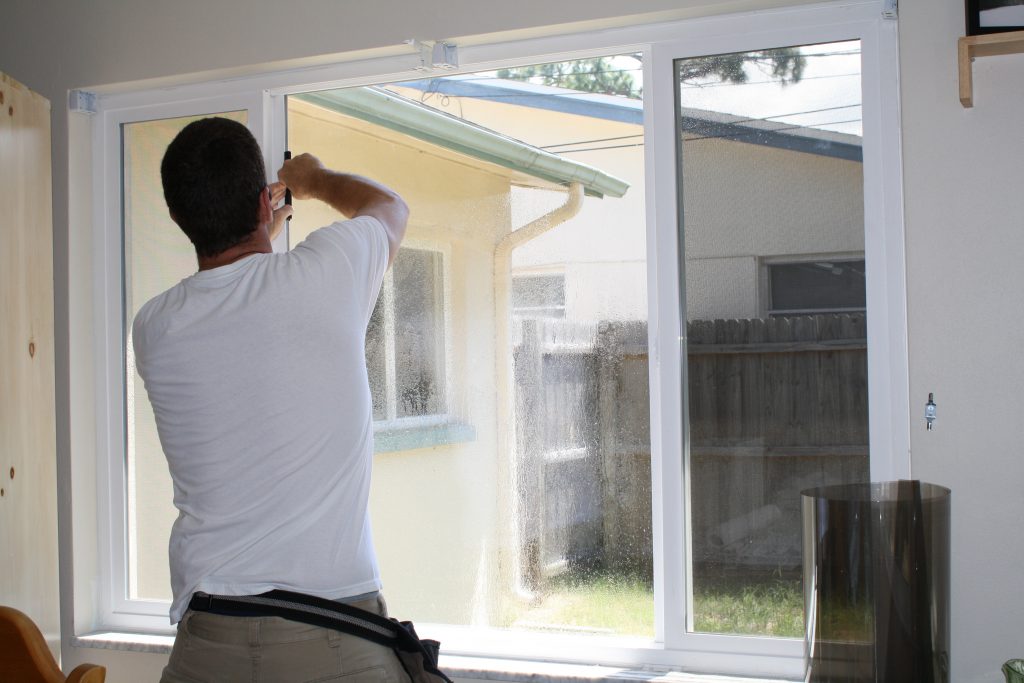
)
(771, 172)
(376, 358)
(419, 333)
(156, 256)
(525, 477)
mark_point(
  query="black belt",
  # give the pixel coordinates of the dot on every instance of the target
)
(308, 609)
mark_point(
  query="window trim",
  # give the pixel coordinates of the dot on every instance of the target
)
(889, 415)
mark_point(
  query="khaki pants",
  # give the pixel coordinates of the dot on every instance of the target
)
(212, 648)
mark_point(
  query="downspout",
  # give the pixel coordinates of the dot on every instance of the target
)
(504, 350)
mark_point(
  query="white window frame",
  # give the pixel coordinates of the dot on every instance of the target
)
(264, 97)
(888, 414)
(115, 609)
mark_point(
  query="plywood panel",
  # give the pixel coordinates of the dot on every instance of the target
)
(28, 489)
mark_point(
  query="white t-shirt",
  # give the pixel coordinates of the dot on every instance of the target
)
(257, 376)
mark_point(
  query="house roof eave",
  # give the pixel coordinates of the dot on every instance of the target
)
(403, 115)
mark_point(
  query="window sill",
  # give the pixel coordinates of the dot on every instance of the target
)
(125, 642)
(458, 667)
(396, 436)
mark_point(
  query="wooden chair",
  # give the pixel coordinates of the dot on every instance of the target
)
(25, 658)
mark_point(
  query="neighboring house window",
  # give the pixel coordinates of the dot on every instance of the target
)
(819, 286)
(538, 296)
(405, 344)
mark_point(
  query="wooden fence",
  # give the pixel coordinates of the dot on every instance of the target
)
(775, 405)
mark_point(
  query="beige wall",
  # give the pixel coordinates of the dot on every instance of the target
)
(963, 230)
(965, 236)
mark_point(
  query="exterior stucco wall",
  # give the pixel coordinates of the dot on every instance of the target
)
(460, 207)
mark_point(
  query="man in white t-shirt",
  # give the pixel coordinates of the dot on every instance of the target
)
(255, 367)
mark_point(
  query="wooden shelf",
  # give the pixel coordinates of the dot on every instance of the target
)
(969, 47)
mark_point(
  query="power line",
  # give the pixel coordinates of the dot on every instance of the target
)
(597, 149)
(794, 113)
(754, 131)
(588, 142)
(698, 123)
(747, 120)
(692, 139)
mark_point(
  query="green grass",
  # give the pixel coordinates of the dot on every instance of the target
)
(606, 603)
(594, 603)
(768, 606)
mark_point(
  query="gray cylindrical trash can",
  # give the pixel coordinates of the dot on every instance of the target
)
(876, 583)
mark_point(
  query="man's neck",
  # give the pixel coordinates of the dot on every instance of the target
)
(256, 243)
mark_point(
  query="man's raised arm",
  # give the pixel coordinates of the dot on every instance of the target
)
(351, 195)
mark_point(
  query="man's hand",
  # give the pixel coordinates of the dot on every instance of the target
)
(301, 175)
(281, 214)
(351, 195)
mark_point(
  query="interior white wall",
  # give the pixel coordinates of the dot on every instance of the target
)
(963, 201)
(965, 232)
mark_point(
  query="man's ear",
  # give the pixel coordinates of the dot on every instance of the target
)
(266, 211)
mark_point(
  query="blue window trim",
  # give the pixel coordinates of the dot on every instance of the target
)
(393, 440)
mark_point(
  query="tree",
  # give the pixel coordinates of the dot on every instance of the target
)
(600, 75)
(784, 63)
(597, 75)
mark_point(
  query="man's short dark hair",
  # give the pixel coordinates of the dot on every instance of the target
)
(213, 174)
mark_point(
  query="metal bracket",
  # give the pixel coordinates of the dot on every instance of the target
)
(436, 55)
(81, 102)
(890, 9)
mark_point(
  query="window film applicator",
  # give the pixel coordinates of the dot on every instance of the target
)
(287, 192)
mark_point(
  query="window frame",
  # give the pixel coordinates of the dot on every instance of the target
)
(264, 95)
(443, 359)
(111, 333)
(886, 296)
